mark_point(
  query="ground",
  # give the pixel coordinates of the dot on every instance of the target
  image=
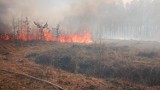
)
(19, 57)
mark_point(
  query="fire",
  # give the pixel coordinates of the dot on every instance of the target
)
(79, 38)
(5, 37)
(21, 36)
(46, 35)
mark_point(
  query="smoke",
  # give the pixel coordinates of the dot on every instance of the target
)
(92, 14)
(115, 19)
(51, 11)
(35, 10)
(103, 18)
(12, 9)
(3, 11)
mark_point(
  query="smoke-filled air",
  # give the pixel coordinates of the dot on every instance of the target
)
(105, 19)
(79, 44)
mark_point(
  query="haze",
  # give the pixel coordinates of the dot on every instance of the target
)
(107, 19)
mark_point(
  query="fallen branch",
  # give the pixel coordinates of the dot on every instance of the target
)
(32, 77)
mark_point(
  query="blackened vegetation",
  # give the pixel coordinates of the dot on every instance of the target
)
(44, 59)
(109, 63)
(147, 54)
(65, 63)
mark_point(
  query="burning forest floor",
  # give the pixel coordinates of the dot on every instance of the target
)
(115, 65)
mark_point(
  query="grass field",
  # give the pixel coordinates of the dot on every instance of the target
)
(111, 65)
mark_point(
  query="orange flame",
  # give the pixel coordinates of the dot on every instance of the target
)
(47, 35)
(5, 37)
(79, 38)
(44, 34)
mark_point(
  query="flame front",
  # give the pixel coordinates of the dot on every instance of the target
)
(5, 37)
(79, 38)
(45, 35)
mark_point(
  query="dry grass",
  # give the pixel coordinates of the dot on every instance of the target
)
(130, 69)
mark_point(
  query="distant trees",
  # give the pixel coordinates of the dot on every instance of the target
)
(139, 19)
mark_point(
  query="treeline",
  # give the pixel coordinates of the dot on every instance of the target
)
(139, 19)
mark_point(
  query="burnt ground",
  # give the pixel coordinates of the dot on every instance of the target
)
(114, 65)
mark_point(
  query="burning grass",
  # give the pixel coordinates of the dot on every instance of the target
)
(46, 35)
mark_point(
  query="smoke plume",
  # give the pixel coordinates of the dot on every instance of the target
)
(108, 19)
